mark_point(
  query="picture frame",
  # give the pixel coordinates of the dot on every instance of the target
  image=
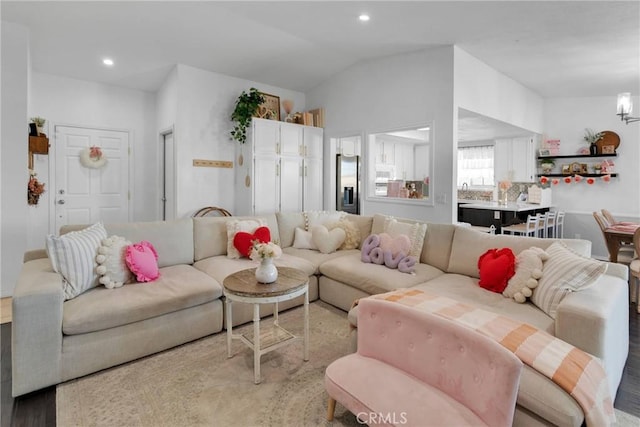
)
(608, 149)
(270, 108)
(544, 152)
(578, 168)
(566, 169)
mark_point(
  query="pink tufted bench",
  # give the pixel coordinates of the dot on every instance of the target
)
(415, 368)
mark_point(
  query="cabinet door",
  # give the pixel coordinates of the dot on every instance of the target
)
(266, 136)
(313, 142)
(290, 139)
(312, 185)
(266, 184)
(522, 159)
(501, 160)
(290, 184)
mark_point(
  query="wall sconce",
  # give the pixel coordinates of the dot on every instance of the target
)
(625, 106)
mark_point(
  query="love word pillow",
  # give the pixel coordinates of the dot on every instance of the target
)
(372, 252)
(243, 241)
(234, 226)
(496, 267)
(327, 241)
(112, 267)
(142, 260)
(303, 239)
(529, 264)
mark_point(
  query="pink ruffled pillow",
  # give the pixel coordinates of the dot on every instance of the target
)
(142, 260)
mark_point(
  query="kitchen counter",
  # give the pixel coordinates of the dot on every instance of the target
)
(495, 206)
(486, 213)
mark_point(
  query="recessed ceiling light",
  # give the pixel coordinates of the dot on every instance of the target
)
(107, 61)
(364, 17)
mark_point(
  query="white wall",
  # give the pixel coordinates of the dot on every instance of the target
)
(65, 101)
(566, 119)
(481, 89)
(391, 93)
(205, 103)
(14, 173)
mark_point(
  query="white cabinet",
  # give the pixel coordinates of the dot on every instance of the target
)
(385, 153)
(515, 159)
(281, 169)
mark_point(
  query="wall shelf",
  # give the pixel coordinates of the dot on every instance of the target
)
(584, 175)
(578, 156)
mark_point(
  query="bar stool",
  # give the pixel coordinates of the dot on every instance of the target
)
(547, 224)
(529, 228)
(558, 231)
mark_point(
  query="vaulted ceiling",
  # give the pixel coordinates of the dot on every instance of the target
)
(555, 48)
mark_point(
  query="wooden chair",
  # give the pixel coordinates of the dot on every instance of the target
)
(212, 210)
(634, 269)
(558, 231)
(607, 215)
(529, 228)
(626, 252)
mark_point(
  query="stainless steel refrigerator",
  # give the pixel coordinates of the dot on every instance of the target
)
(348, 184)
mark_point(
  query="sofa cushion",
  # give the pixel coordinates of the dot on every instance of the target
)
(220, 267)
(414, 231)
(241, 226)
(363, 223)
(316, 257)
(372, 278)
(466, 289)
(287, 223)
(469, 244)
(173, 240)
(210, 234)
(178, 287)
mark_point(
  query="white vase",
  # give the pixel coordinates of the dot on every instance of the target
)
(266, 272)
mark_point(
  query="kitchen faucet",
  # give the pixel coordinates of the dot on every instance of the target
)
(465, 186)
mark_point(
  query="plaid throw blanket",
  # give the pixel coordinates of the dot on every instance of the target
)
(578, 373)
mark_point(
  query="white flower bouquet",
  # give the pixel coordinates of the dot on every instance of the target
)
(260, 251)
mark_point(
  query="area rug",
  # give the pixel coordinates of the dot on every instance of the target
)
(197, 385)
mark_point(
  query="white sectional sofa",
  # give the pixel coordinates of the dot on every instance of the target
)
(55, 340)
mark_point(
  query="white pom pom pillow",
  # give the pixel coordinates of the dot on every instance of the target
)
(112, 268)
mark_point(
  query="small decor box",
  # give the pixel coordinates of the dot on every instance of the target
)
(539, 196)
(553, 145)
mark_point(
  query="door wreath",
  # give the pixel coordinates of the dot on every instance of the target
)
(92, 157)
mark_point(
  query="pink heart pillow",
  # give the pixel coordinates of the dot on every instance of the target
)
(142, 260)
(399, 244)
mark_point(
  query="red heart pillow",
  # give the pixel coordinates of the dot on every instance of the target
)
(243, 241)
(496, 267)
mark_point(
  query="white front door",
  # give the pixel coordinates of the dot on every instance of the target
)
(85, 195)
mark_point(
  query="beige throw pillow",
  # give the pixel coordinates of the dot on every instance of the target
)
(565, 271)
(415, 231)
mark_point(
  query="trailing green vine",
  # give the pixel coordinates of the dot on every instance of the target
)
(246, 106)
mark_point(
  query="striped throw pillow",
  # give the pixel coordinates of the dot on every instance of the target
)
(73, 255)
(565, 271)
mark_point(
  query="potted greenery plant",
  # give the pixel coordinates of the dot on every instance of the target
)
(592, 137)
(39, 121)
(547, 165)
(246, 106)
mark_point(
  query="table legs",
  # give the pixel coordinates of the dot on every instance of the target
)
(229, 327)
(306, 326)
(256, 343)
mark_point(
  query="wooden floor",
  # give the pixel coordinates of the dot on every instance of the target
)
(5, 310)
(39, 408)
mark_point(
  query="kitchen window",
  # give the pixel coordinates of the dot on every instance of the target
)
(475, 166)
